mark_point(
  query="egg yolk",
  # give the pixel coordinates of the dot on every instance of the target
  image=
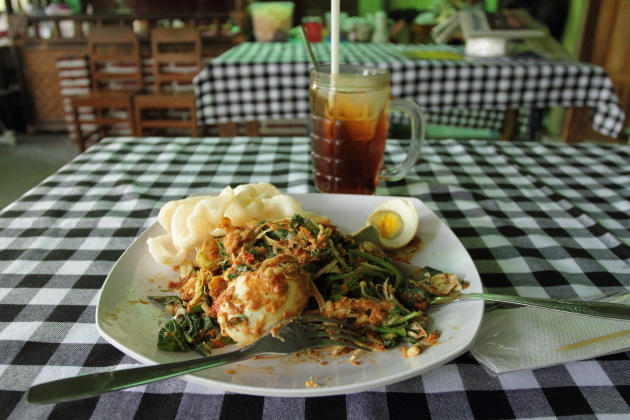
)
(388, 223)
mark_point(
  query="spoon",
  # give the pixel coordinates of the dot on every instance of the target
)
(578, 307)
(309, 49)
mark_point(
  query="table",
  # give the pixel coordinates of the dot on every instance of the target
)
(266, 81)
(538, 219)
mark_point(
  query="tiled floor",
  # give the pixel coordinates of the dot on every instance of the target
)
(30, 161)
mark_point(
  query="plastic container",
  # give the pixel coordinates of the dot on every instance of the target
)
(314, 26)
(271, 21)
(381, 32)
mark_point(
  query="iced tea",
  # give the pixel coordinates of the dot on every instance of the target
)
(349, 123)
(347, 148)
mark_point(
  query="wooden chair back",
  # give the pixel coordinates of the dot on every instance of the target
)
(115, 61)
(116, 75)
(176, 56)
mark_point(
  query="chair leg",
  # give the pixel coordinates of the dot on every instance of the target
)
(131, 118)
(162, 111)
(576, 125)
(137, 121)
(193, 121)
(509, 131)
(100, 115)
(252, 128)
(77, 128)
(227, 129)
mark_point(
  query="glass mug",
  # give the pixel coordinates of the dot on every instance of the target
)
(349, 124)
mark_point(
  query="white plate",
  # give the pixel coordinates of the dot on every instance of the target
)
(130, 324)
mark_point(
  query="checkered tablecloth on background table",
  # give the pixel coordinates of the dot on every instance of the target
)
(538, 219)
(263, 81)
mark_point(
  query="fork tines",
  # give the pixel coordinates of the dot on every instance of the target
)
(330, 331)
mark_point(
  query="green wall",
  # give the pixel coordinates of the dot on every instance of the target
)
(572, 32)
(372, 6)
(571, 42)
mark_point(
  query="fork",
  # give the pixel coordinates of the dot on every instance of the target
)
(578, 307)
(288, 336)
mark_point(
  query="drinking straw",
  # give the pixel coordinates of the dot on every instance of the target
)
(334, 59)
(309, 49)
(334, 36)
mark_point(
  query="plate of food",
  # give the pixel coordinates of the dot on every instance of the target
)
(215, 272)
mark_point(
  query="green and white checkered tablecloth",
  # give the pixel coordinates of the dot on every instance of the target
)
(261, 81)
(537, 219)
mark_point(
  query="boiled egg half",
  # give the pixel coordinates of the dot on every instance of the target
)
(255, 300)
(396, 222)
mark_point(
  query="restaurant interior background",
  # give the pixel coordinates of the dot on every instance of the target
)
(39, 34)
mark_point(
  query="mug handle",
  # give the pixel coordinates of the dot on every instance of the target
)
(416, 116)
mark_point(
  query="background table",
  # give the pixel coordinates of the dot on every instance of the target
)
(266, 81)
(538, 219)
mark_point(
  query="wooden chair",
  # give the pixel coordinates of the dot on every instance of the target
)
(176, 61)
(116, 74)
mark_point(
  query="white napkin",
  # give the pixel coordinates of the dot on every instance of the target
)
(529, 338)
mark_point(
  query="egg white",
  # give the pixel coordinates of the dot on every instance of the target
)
(396, 222)
(249, 307)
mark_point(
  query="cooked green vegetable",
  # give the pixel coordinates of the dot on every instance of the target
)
(171, 337)
(188, 330)
(356, 281)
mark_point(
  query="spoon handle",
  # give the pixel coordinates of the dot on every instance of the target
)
(596, 309)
